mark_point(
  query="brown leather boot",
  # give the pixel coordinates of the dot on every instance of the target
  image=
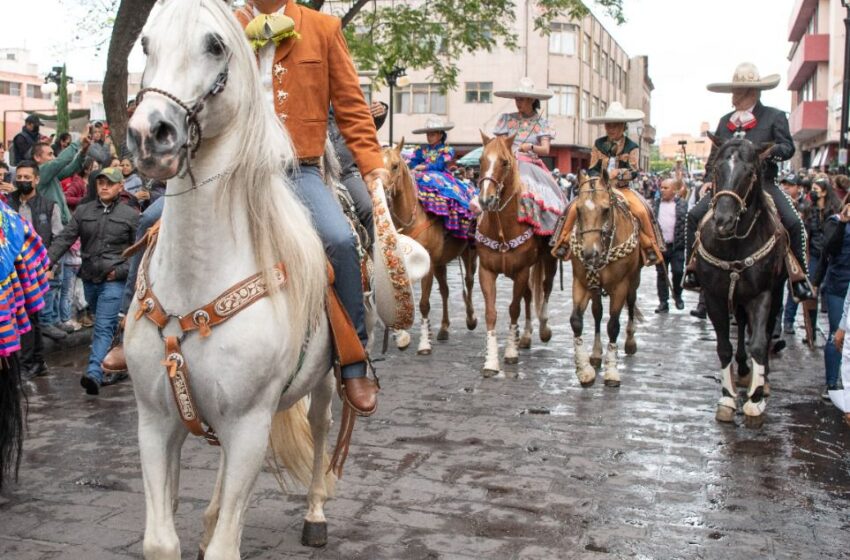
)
(362, 394)
(114, 361)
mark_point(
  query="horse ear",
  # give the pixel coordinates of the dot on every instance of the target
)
(764, 150)
(400, 145)
(714, 139)
(484, 138)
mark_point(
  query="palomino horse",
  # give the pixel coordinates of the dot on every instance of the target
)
(740, 252)
(508, 247)
(605, 257)
(231, 215)
(411, 219)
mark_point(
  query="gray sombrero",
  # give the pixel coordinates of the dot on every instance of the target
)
(525, 89)
(616, 113)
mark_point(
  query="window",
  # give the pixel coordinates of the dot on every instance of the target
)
(585, 104)
(585, 48)
(34, 91)
(421, 98)
(479, 92)
(597, 56)
(367, 92)
(603, 65)
(623, 80)
(602, 107)
(611, 69)
(564, 101)
(812, 27)
(10, 88)
(594, 107)
(562, 39)
(77, 97)
(11, 56)
(808, 91)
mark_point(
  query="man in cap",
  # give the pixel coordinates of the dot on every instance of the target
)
(105, 228)
(759, 124)
(24, 141)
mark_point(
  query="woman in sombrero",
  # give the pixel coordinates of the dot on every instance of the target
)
(543, 201)
(618, 154)
(440, 192)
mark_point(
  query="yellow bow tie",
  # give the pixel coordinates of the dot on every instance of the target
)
(265, 28)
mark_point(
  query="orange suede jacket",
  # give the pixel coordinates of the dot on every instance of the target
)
(309, 74)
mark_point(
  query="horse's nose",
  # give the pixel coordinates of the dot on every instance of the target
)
(590, 254)
(163, 136)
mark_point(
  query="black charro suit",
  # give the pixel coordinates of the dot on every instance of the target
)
(771, 126)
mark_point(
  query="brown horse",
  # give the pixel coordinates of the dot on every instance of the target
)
(507, 247)
(605, 257)
(411, 219)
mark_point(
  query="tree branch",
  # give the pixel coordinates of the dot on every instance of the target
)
(352, 13)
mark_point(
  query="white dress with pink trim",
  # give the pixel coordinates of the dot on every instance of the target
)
(543, 202)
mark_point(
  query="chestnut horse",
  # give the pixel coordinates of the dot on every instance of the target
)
(508, 247)
(605, 258)
(411, 219)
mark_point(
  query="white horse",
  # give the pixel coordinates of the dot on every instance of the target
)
(232, 216)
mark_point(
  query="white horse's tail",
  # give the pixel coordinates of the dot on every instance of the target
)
(538, 275)
(292, 446)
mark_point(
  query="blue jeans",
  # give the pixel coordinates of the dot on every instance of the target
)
(148, 218)
(49, 314)
(831, 356)
(341, 248)
(66, 293)
(105, 302)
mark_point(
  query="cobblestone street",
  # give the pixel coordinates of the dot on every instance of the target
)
(457, 466)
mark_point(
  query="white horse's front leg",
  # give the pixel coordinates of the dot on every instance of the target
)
(727, 405)
(315, 529)
(245, 443)
(511, 348)
(585, 372)
(160, 438)
(211, 513)
(612, 374)
(424, 338)
(756, 402)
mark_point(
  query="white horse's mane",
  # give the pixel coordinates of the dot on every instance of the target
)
(280, 227)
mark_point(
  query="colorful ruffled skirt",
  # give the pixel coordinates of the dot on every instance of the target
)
(443, 195)
(23, 280)
(543, 201)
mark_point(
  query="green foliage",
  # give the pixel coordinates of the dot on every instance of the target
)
(661, 166)
(434, 35)
(62, 120)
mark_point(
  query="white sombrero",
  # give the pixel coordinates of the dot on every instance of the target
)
(746, 77)
(616, 113)
(399, 261)
(525, 89)
(434, 125)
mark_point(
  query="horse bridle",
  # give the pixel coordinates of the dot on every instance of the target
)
(194, 132)
(740, 200)
(500, 187)
(393, 185)
(606, 230)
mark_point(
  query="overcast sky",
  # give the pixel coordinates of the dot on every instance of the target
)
(689, 42)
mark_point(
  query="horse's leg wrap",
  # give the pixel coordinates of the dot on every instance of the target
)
(585, 372)
(612, 374)
(756, 403)
(727, 405)
(561, 247)
(491, 362)
(402, 339)
(511, 348)
(424, 338)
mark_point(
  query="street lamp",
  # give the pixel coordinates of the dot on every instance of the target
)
(845, 94)
(395, 77)
(59, 85)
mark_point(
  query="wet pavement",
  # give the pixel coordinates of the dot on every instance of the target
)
(457, 466)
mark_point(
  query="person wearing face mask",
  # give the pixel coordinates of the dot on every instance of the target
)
(43, 214)
(760, 125)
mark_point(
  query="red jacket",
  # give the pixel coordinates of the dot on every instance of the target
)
(74, 188)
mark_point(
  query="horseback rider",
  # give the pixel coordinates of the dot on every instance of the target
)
(618, 154)
(440, 192)
(758, 124)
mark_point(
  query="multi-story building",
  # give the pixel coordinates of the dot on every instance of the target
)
(580, 61)
(815, 78)
(697, 147)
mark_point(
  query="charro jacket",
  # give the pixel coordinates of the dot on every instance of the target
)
(626, 153)
(311, 72)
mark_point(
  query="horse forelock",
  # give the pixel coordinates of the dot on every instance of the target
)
(736, 162)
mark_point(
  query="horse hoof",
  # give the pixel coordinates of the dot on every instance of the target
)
(525, 342)
(487, 373)
(545, 334)
(587, 384)
(472, 324)
(724, 414)
(424, 352)
(443, 335)
(596, 362)
(512, 360)
(631, 348)
(755, 409)
(754, 422)
(314, 534)
(612, 382)
(766, 389)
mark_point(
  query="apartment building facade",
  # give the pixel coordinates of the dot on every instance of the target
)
(815, 78)
(579, 61)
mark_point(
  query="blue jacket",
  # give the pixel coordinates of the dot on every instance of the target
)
(834, 265)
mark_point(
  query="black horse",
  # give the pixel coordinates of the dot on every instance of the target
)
(740, 252)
